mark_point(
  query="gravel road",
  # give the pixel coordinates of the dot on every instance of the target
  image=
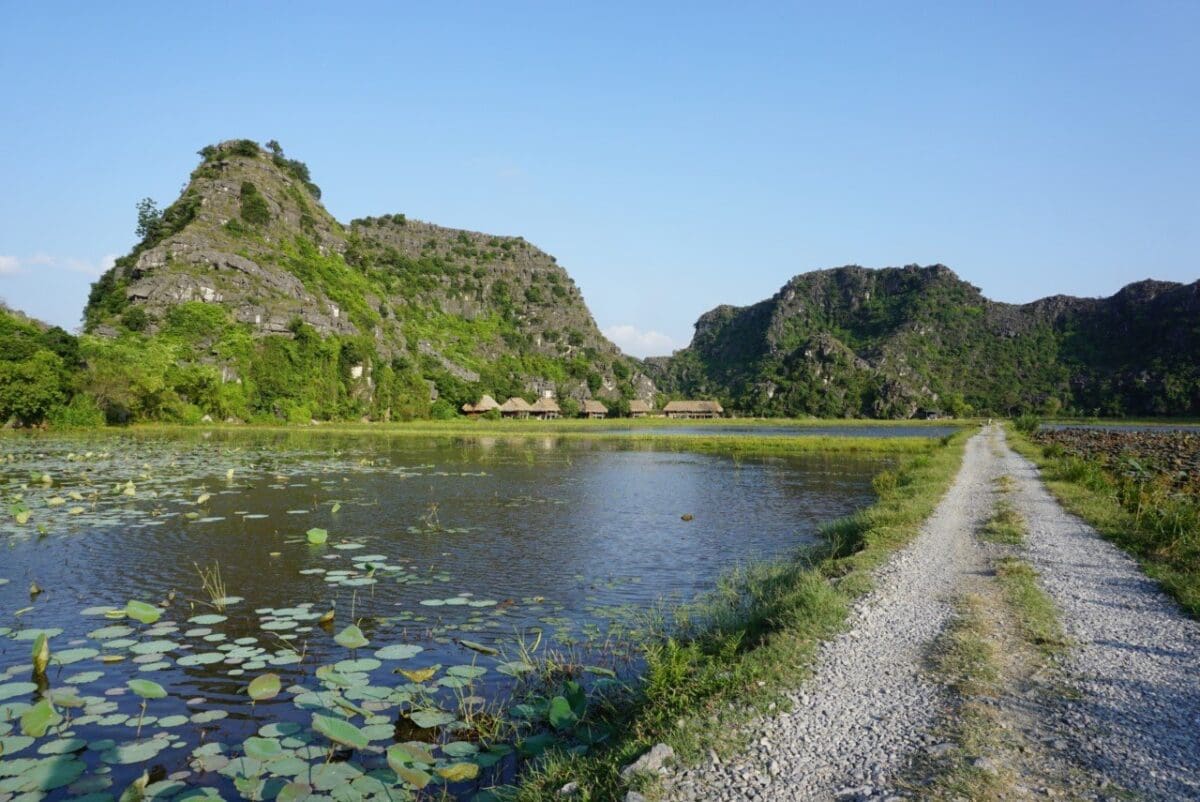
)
(1136, 660)
(869, 704)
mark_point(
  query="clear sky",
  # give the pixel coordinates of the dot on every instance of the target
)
(673, 156)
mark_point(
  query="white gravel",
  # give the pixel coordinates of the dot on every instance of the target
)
(869, 705)
(1136, 661)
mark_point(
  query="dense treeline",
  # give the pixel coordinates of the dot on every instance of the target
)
(199, 363)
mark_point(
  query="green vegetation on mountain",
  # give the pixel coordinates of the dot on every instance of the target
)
(246, 299)
(902, 342)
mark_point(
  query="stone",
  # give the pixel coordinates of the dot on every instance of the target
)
(651, 762)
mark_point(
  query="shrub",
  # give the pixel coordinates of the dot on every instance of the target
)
(1027, 424)
(30, 389)
(299, 414)
(83, 411)
(245, 147)
(442, 410)
(254, 206)
(884, 482)
(135, 319)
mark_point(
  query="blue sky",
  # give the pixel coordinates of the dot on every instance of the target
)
(672, 156)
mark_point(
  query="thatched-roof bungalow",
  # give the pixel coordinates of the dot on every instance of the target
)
(515, 407)
(545, 408)
(638, 408)
(593, 409)
(693, 409)
(485, 404)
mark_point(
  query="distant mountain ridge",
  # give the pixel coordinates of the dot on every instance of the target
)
(245, 299)
(907, 341)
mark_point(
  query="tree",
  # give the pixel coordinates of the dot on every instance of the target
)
(149, 218)
(30, 388)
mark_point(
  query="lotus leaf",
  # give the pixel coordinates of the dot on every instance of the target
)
(399, 651)
(38, 719)
(351, 638)
(431, 718)
(294, 791)
(560, 714)
(147, 689)
(419, 674)
(262, 749)
(339, 731)
(143, 612)
(458, 772)
(460, 749)
(263, 687)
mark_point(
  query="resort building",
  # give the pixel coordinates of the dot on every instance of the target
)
(693, 409)
(515, 407)
(546, 409)
(638, 408)
(593, 409)
(486, 404)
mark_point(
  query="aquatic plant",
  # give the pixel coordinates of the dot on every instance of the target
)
(213, 584)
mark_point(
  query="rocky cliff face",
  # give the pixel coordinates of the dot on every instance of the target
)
(901, 342)
(469, 312)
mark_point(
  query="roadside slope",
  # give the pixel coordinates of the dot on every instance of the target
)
(1136, 656)
(869, 704)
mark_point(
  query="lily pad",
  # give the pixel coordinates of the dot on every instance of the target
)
(458, 772)
(143, 612)
(38, 719)
(263, 749)
(11, 689)
(340, 731)
(294, 792)
(147, 689)
(263, 687)
(317, 536)
(426, 719)
(399, 651)
(351, 638)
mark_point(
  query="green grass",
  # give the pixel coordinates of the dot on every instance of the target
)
(602, 430)
(1159, 527)
(1005, 526)
(739, 651)
(1035, 612)
(967, 658)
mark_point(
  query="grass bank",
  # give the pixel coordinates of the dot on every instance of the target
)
(1159, 527)
(713, 439)
(736, 653)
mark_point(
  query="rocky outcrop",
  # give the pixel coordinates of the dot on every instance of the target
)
(909, 341)
(249, 235)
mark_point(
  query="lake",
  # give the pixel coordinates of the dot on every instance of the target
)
(451, 566)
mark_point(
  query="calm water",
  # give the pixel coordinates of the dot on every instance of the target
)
(897, 430)
(431, 543)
